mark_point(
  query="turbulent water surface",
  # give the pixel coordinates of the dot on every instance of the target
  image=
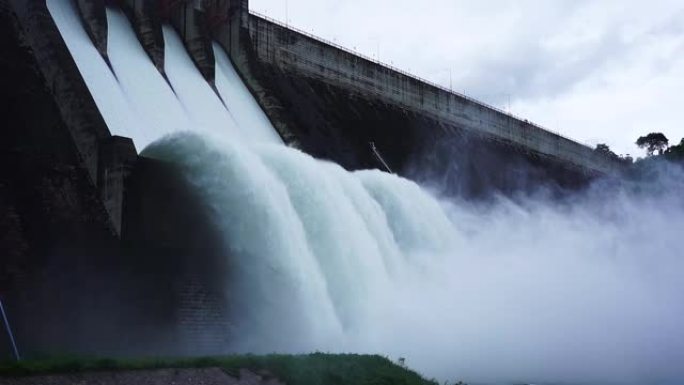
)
(583, 291)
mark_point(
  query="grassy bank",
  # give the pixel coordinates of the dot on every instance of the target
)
(312, 369)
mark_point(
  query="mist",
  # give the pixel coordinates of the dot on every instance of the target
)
(584, 290)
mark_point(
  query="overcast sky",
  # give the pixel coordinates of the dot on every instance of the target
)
(595, 70)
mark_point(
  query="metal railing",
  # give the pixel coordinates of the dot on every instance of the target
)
(15, 351)
(379, 157)
(414, 77)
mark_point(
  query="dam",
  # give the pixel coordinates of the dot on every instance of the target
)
(192, 178)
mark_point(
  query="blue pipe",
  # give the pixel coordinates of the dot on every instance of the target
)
(9, 332)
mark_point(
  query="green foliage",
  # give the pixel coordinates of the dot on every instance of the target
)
(603, 149)
(676, 152)
(653, 142)
(312, 369)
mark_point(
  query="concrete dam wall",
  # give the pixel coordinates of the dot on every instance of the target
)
(102, 241)
(74, 276)
(297, 53)
(335, 105)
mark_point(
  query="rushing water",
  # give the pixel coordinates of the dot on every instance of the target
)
(137, 102)
(102, 83)
(584, 291)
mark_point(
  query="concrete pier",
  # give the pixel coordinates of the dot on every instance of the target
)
(94, 19)
(189, 20)
(117, 158)
(147, 23)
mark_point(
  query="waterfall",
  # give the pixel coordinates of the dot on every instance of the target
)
(324, 259)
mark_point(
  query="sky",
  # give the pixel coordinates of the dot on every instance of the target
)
(597, 71)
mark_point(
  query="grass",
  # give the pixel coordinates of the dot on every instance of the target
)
(311, 369)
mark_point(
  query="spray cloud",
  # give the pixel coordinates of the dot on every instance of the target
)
(582, 291)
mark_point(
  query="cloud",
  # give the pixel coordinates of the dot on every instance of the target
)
(605, 71)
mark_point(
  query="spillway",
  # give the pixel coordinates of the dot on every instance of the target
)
(151, 98)
(112, 102)
(136, 101)
(327, 260)
(197, 97)
(244, 109)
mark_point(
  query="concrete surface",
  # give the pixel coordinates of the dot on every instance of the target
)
(306, 56)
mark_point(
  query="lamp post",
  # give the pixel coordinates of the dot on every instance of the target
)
(9, 332)
(451, 78)
(451, 81)
(375, 54)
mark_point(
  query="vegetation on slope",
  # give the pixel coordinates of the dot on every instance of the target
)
(312, 369)
(657, 148)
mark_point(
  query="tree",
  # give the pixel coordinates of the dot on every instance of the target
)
(676, 152)
(627, 159)
(604, 149)
(653, 142)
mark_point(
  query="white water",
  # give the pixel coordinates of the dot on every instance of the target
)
(196, 95)
(583, 292)
(137, 102)
(367, 262)
(112, 102)
(245, 110)
(153, 101)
